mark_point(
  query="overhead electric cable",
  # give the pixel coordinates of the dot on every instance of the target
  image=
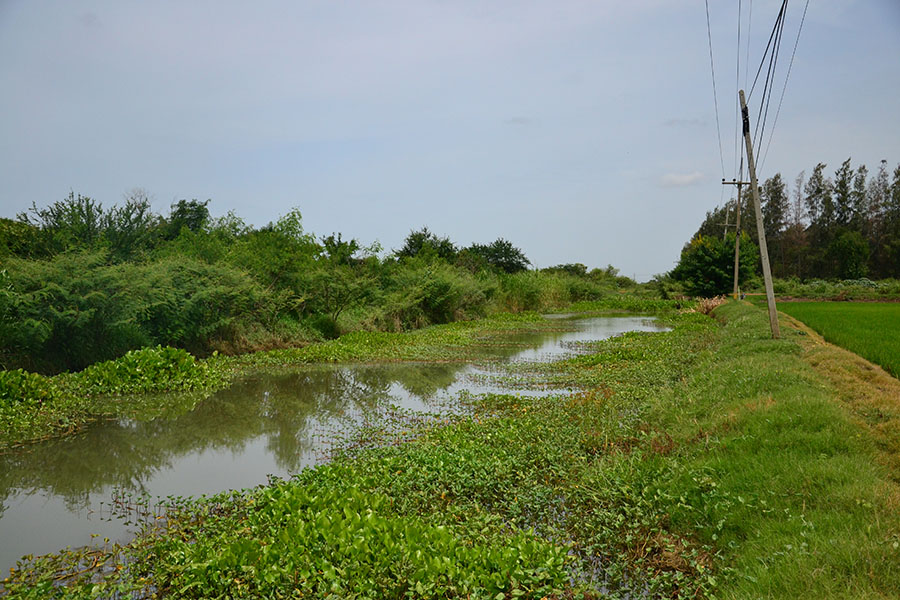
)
(768, 46)
(712, 69)
(737, 84)
(788, 76)
(749, 28)
(770, 78)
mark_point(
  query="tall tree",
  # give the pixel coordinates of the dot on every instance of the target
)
(706, 266)
(798, 210)
(821, 211)
(891, 242)
(191, 214)
(425, 244)
(775, 210)
(817, 196)
(501, 255)
(859, 201)
(841, 193)
(879, 193)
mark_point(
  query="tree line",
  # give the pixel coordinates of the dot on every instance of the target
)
(80, 282)
(844, 225)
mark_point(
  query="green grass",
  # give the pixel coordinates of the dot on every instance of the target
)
(870, 329)
(706, 461)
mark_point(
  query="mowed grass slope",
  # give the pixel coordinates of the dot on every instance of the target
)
(870, 329)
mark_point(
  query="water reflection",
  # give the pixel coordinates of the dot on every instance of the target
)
(53, 493)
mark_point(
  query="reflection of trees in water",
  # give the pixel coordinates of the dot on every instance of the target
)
(422, 380)
(287, 408)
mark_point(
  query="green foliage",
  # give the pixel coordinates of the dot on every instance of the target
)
(131, 228)
(30, 388)
(337, 250)
(706, 267)
(500, 255)
(68, 311)
(74, 309)
(186, 214)
(280, 255)
(845, 289)
(93, 284)
(33, 406)
(844, 226)
(423, 293)
(850, 253)
(705, 461)
(20, 239)
(349, 544)
(156, 369)
(552, 289)
(629, 303)
(521, 292)
(426, 245)
(577, 269)
(76, 222)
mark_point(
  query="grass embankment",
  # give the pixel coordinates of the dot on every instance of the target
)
(705, 461)
(869, 329)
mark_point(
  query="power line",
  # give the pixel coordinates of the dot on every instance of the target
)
(768, 87)
(712, 68)
(737, 84)
(768, 46)
(788, 76)
(749, 29)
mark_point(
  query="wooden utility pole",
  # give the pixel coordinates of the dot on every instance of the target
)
(760, 229)
(737, 232)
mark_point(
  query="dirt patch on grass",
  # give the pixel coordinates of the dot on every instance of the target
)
(871, 394)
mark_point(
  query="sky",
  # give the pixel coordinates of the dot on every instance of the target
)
(581, 131)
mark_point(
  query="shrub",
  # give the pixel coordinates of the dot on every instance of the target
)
(706, 267)
(521, 292)
(156, 369)
(70, 311)
(21, 386)
(423, 293)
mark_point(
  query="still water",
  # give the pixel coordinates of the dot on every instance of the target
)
(59, 493)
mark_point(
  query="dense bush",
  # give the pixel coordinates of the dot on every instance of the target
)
(550, 289)
(156, 369)
(20, 386)
(706, 267)
(75, 309)
(82, 283)
(423, 293)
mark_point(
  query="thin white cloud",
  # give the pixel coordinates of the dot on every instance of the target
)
(681, 179)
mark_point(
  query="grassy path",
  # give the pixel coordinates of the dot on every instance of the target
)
(707, 461)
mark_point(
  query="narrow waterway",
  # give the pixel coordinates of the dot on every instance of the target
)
(69, 492)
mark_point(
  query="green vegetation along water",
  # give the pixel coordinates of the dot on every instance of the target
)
(706, 461)
(61, 491)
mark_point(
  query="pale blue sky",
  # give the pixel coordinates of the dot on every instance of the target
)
(580, 131)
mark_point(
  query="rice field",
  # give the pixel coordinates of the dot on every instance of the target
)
(870, 329)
